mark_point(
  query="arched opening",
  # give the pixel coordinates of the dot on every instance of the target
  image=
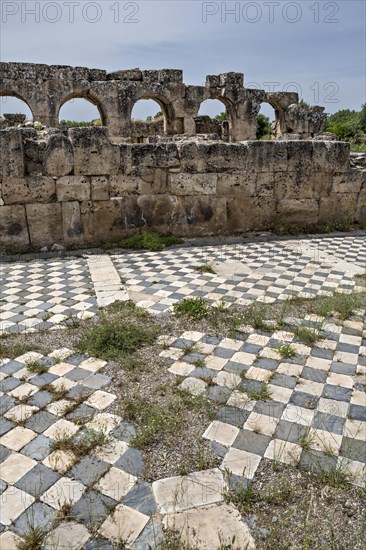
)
(148, 118)
(14, 111)
(268, 122)
(79, 111)
(213, 118)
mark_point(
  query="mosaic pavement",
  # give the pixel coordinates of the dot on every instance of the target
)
(264, 271)
(313, 414)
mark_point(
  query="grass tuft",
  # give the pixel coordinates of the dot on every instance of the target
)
(112, 339)
(149, 240)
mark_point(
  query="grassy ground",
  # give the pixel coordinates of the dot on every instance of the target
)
(288, 508)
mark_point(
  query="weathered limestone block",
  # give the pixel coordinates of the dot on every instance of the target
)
(192, 184)
(149, 155)
(348, 182)
(71, 223)
(13, 226)
(267, 155)
(157, 185)
(100, 188)
(123, 185)
(299, 157)
(162, 211)
(322, 184)
(58, 156)
(301, 212)
(11, 154)
(73, 188)
(236, 184)
(338, 208)
(34, 154)
(265, 184)
(44, 223)
(213, 157)
(205, 215)
(94, 154)
(29, 189)
(250, 214)
(360, 214)
(293, 185)
(110, 220)
(330, 156)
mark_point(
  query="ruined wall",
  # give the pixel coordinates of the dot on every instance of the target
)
(80, 188)
(45, 88)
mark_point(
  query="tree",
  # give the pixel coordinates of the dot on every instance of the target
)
(263, 126)
(221, 117)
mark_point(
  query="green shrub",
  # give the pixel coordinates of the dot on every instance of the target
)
(111, 339)
(195, 308)
(149, 240)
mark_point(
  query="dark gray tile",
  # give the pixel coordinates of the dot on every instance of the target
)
(322, 353)
(4, 453)
(96, 381)
(11, 367)
(232, 415)
(93, 508)
(220, 394)
(354, 449)
(343, 368)
(6, 403)
(88, 470)
(284, 380)
(306, 400)
(252, 442)
(5, 425)
(317, 462)
(132, 462)
(224, 353)
(41, 421)
(235, 368)
(38, 516)
(289, 431)
(315, 375)
(337, 392)
(81, 412)
(79, 392)
(77, 374)
(37, 480)
(124, 432)
(41, 399)
(76, 359)
(357, 412)
(203, 373)
(38, 448)
(328, 422)
(249, 386)
(273, 409)
(43, 379)
(9, 384)
(268, 364)
(141, 498)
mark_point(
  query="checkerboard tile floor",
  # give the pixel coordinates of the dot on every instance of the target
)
(309, 409)
(38, 480)
(44, 294)
(264, 271)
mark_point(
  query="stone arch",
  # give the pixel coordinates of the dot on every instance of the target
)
(165, 106)
(228, 130)
(12, 93)
(88, 97)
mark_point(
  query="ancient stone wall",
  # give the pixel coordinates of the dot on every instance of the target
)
(45, 88)
(80, 188)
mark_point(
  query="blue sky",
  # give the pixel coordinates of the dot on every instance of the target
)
(315, 47)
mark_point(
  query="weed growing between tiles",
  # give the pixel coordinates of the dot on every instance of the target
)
(287, 507)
